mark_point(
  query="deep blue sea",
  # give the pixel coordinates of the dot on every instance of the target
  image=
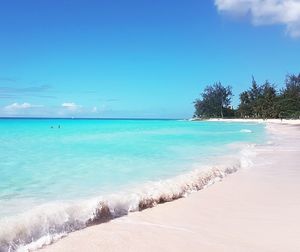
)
(54, 171)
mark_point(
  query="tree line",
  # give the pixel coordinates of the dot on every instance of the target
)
(259, 101)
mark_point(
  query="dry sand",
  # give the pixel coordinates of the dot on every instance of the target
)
(256, 209)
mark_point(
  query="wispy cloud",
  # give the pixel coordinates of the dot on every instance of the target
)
(17, 108)
(72, 109)
(266, 12)
(65, 109)
(109, 100)
(6, 96)
(71, 106)
(14, 92)
(32, 89)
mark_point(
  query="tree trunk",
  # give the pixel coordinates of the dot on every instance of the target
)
(221, 111)
(221, 107)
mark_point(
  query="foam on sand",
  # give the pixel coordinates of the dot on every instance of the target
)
(46, 224)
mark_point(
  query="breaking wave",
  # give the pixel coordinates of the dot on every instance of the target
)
(46, 224)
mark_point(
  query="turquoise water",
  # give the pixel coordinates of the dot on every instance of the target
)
(60, 160)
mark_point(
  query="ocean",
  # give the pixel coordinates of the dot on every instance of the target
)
(61, 175)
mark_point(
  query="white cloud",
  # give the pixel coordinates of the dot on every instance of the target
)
(19, 106)
(71, 106)
(21, 109)
(266, 12)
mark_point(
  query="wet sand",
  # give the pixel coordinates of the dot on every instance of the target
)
(255, 209)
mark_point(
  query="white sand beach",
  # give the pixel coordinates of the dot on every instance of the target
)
(255, 209)
(273, 121)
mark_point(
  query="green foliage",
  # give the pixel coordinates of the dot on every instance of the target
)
(260, 101)
(263, 101)
(289, 99)
(215, 101)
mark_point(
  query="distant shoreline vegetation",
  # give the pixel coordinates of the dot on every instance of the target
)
(259, 101)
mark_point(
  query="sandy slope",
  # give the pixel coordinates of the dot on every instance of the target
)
(256, 209)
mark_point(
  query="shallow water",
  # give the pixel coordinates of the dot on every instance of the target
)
(60, 161)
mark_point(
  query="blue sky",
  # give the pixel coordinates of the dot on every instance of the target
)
(138, 58)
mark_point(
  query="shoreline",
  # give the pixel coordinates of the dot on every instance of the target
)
(243, 120)
(158, 192)
(262, 215)
(50, 222)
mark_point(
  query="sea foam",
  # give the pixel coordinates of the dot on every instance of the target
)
(246, 131)
(46, 224)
